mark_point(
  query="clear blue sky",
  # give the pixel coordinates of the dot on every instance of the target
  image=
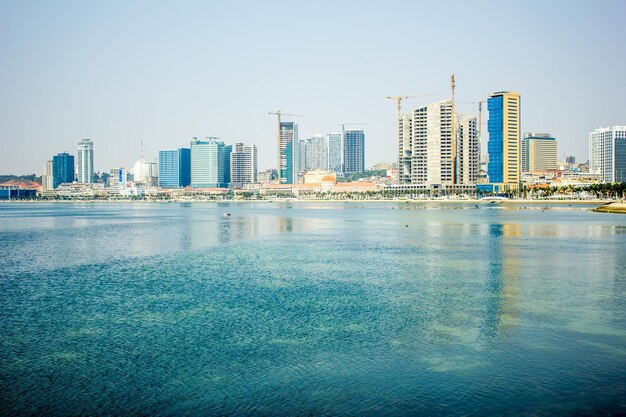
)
(120, 72)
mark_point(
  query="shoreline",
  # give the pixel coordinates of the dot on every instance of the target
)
(620, 204)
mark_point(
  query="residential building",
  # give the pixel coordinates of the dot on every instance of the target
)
(84, 162)
(243, 165)
(62, 169)
(607, 153)
(354, 151)
(333, 144)
(538, 153)
(174, 168)
(210, 163)
(504, 141)
(287, 152)
(467, 150)
(425, 151)
(317, 153)
(47, 177)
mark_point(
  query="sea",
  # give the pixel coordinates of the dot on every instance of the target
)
(311, 309)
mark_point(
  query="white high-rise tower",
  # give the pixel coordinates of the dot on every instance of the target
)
(84, 161)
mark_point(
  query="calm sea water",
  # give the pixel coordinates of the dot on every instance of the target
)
(311, 309)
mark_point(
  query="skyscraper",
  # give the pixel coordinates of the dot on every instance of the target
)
(62, 169)
(607, 153)
(84, 162)
(175, 168)
(334, 151)
(425, 146)
(210, 163)
(538, 153)
(243, 165)
(468, 150)
(47, 177)
(354, 151)
(318, 152)
(287, 166)
(504, 140)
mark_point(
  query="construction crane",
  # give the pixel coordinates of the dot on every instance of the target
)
(279, 114)
(453, 136)
(480, 116)
(400, 98)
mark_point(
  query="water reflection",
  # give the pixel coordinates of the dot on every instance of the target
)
(502, 310)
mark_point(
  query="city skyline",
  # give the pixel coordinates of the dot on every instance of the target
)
(147, 79)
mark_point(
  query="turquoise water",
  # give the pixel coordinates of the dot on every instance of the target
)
(311, 309)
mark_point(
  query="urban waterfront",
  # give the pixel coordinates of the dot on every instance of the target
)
(296, 308)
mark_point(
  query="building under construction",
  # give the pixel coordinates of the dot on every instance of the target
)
(427, 153)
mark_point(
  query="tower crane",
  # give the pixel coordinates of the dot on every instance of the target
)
(480, 116)
(279, 114)
(400, 98)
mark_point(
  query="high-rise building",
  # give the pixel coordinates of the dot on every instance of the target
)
(334, 151)
(538, 153)
(117, 181)
(84, 162)
(468, 149)
(504, 140)
(174, 168)
(318, 153)
(210, 163)
(425, 147)
(141, 171)
(287, 153)
(354, 151)
(47, 177)
(62, 169)
(570, 160)
(607, 153)
(243, 165)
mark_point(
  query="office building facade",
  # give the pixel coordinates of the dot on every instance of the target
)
(118, 181)
(210, 163)
(354, 151)
(538, 153)
(84, 162)
(504, 140)
(174, 168)
(607, 153)
(243, 165)
(333, 144)
(62, 169)
(287, 153)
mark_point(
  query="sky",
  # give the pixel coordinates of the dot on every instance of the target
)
(162, 72)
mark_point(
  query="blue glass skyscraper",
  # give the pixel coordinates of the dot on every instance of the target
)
(175, 168)
(354, 151)
(504, 141)
(62, 169)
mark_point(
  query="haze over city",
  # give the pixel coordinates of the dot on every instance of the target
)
(160, 72)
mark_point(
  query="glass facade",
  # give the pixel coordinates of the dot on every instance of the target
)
(210, 164)
(175, 168)
(495, 149)
(354, 151)
(288, 148)
(334, 152)
(62, 169)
